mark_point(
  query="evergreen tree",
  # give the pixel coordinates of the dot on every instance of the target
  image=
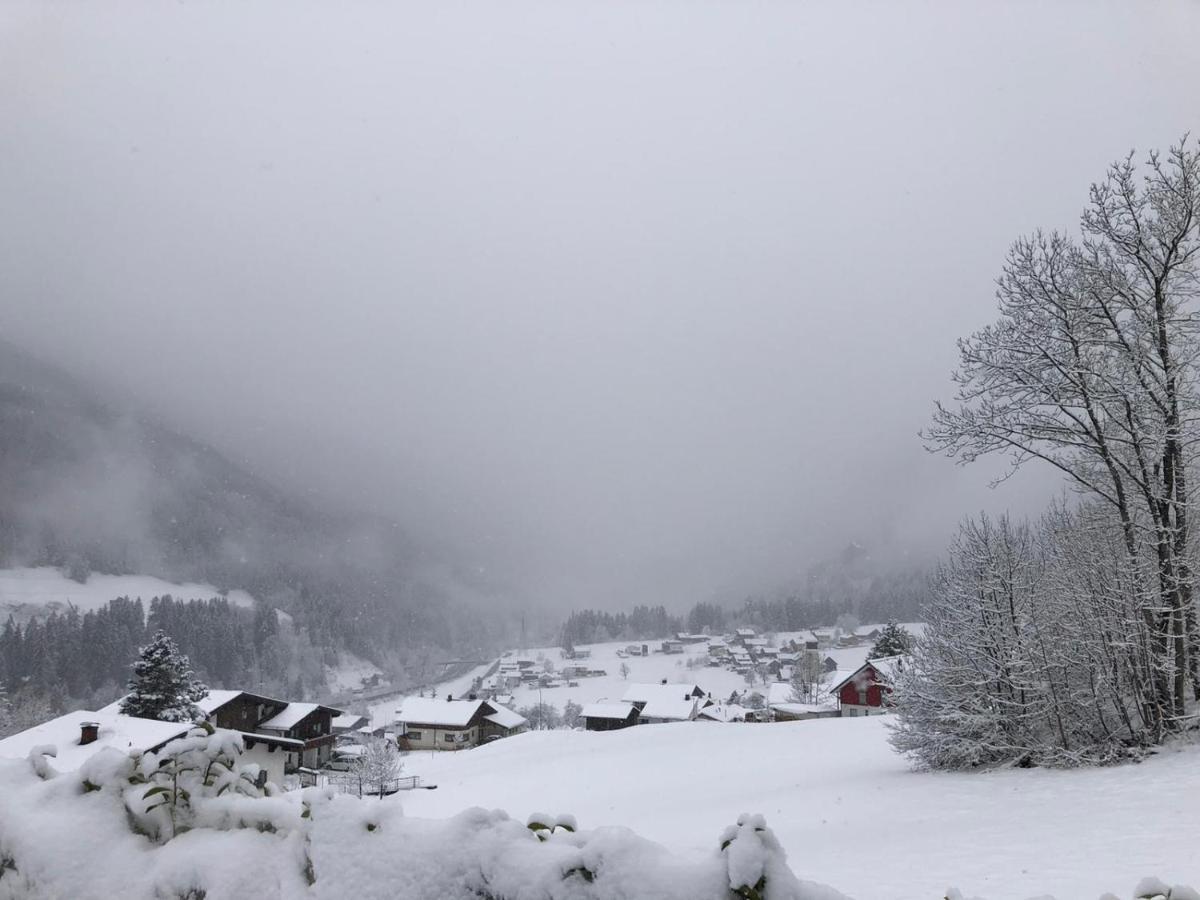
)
(895, 640)
(163, 685)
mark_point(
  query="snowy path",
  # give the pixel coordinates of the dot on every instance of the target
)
(848, 810)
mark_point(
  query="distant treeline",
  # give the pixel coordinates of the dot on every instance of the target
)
(829, 596)
(85, 657)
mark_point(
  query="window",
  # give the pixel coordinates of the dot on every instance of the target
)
(414, 735)
(448, 737)
(862, 696)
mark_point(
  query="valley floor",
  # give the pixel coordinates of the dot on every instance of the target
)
(848, 810)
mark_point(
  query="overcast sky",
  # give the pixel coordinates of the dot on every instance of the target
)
(628, 301)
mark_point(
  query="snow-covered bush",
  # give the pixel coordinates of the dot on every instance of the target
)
(229, 839)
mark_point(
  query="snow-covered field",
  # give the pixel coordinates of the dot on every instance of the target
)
(847, 809)
(47, 586)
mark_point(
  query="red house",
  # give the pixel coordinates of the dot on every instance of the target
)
(866, 690)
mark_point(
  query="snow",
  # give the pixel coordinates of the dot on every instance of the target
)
(649, 670)
(886, 666)
(119, 732)
(827, 785)
(607, 710)
(505, 717)
(47, 586)
(215, 699)
(350, 673)
(425, 711)
(820, 792)
(651, 693)
(289, 717)
(672, 710)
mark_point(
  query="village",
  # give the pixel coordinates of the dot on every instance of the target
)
(740, 677)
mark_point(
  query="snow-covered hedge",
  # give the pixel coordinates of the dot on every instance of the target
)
(189, 823)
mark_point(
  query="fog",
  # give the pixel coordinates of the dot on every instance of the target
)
(622, 301)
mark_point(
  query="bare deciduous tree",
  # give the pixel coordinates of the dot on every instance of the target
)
(1091, 368)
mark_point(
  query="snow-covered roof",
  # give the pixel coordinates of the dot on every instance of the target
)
(505, 717)
(214, 700)
(426, 711)
(125, 733)
(290, 716)
(723, 712)
(886, 666)
(347, 721)
(676, 710)
(607, 709)
(644, 693)
(779, 692)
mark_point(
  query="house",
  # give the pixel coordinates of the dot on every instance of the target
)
(276, 750)
(866, 690)
(501, 723)
(722, 712)
(666, 709)
(785, 708)
(670, 646)
(829, 664)
(642, 694)
(607, 715)
(349, 722)
(309, 724)
(426, 724)
(77, 735)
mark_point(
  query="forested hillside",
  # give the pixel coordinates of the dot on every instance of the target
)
(87, 486)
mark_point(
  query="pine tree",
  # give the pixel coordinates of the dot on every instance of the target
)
(163, 685)
(895, 640)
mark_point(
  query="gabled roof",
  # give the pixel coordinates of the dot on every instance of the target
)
(644, 693)
(293, 714)
(779, 692)
(676, 710)
(214, 700)
(125, 733)
(886, 667)
(723, 712)
(448, 713)
(505, 717)
(608, 709)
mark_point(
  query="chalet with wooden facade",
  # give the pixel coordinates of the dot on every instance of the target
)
(607, 715)
(423, 723)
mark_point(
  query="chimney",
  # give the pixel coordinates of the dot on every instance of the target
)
(449, 697)
(88, 732)
(471, 696)
(664, 681)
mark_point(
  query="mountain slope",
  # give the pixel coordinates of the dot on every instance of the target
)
(88, 486)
